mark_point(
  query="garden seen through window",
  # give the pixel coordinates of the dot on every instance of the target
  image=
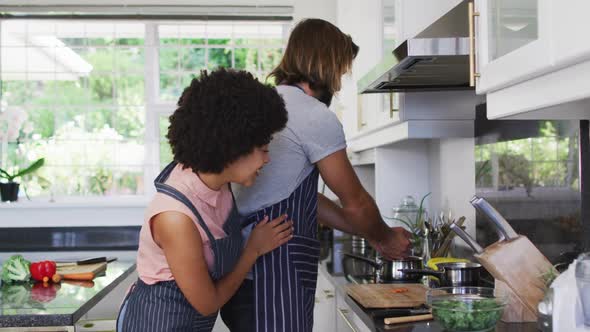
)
(93, 97)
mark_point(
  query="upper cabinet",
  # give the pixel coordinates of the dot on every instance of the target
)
(532, 58)
(513, 41)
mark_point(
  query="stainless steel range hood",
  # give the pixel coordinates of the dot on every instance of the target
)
(436, 59)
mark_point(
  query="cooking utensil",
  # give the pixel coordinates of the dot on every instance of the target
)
(443, 250)
(84, 261)
(453, 274)
(398, 312)
(388, 270)
(502, 227)
(467, 238)
(408, 319)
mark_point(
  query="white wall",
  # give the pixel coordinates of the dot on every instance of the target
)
(324, 9)
(452, 174)
(363, 21)
(401, 169)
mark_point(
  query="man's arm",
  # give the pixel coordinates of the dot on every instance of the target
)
(359, 214)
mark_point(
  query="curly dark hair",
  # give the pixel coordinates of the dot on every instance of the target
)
(222, 116)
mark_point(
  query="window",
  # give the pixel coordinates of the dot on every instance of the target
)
(529, 171)
(89, 100)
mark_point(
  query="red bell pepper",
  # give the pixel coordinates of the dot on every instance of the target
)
(43, 271)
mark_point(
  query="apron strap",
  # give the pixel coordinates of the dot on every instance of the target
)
(166, 189)
(232, 195)
(163, 176)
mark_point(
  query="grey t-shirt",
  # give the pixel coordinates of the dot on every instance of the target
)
(312, 133)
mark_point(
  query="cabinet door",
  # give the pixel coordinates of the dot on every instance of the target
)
(570, 32)
(346, 319)
(513, 41)
(325, 304)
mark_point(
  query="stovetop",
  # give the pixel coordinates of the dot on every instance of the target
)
(359, 272)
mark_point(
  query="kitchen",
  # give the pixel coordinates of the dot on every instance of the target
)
(92, 94)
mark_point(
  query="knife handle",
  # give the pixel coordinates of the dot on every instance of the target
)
(408, 319)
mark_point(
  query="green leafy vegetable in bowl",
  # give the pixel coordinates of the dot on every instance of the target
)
(457, 315)
(466, 309)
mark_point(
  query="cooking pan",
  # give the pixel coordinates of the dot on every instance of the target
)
(389, 270)
(452, 274)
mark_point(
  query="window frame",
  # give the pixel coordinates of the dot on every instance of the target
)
(154, 109)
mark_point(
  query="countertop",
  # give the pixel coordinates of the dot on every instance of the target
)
(36, 304)
(333, 268)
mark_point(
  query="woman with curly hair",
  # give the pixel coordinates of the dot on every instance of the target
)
(280, 294)
(191, 259)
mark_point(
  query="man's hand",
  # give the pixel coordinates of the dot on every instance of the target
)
(394, 245)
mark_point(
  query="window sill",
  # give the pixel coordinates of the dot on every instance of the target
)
(78, 202)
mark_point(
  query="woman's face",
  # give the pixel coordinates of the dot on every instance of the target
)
(245, 170)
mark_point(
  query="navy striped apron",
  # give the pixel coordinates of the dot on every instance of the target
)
(162, 306)
(285, 279)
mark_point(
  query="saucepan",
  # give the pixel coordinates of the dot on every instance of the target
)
(391, 270)
(452, 274)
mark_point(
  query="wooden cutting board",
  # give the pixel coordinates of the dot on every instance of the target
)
(520, 266)
(87, 268)
(383, 295)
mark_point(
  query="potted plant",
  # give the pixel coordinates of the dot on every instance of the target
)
(9, 189)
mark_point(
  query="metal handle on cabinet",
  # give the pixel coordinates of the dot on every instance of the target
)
(472, 14)
(391, 105)
(328, 293)
(343, 313)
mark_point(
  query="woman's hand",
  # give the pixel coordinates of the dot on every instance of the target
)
(267, 236)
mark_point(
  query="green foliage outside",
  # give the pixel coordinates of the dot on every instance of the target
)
(549, 160)
(91, 131)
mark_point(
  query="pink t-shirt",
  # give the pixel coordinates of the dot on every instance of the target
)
(213, 206)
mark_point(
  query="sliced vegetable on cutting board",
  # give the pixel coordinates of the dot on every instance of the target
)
(81, 272)
(388, 295)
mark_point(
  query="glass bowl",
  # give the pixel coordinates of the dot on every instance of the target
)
(466, 309)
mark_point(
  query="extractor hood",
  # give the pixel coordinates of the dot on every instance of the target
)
(436, 59)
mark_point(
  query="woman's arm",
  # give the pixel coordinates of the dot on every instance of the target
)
(359, 214)
(181, 241)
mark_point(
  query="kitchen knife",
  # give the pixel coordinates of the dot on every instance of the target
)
(502, 227)
(399, 312)
(407, 319)
(85, 261)
(467, 238)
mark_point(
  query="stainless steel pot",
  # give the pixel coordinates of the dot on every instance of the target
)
(391, 270)
(452, 274)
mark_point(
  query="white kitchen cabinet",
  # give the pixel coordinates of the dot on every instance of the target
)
(325, 305)
(569, 36)
(513, 41)
(533, 58)
(346, 319)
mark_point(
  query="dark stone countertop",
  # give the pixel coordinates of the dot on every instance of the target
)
(36, 304)
(340, 274)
